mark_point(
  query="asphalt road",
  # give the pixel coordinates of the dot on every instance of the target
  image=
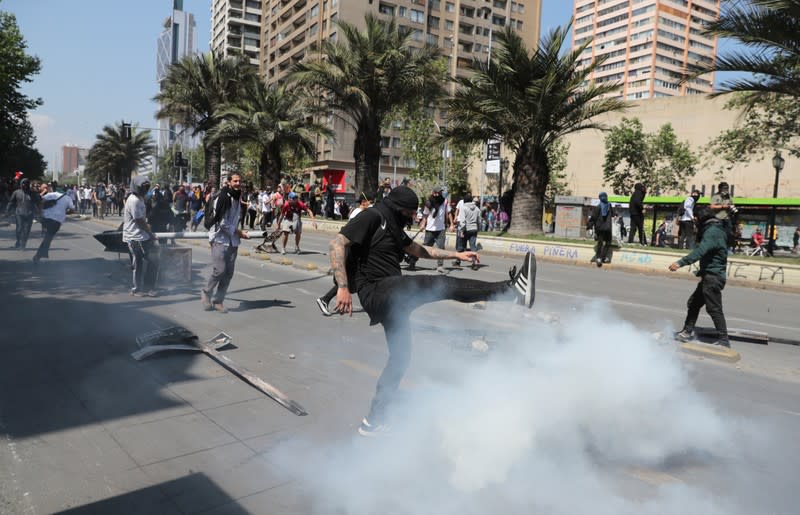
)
(89, 429)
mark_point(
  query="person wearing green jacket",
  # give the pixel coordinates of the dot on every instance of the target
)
(712, 252)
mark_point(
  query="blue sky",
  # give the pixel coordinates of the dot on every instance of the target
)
(99, 60)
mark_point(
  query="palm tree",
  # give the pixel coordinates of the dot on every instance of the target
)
(366, 75)
(196, 90)
(529, 101)
(276, 121)
(768, 29)
(114, 156)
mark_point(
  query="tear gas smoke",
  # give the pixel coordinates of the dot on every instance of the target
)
(552, 420)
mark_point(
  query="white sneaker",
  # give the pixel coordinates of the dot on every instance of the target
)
(367, 429)
(323, 306)
(524, 282)
(283, 251)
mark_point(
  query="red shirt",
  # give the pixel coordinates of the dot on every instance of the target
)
(293, 206)
(758, 238)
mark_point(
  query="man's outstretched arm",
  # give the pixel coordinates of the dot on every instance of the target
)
(338, 251)
(420, 251)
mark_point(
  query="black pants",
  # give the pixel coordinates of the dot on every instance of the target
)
(603, 245)
(51, 227)
(390, 301)
(24, 223)
(686, 238)
(637, 224)
(708, 293)
(144, 279)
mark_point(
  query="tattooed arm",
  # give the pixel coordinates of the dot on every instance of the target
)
(417, 250)
(338, 252)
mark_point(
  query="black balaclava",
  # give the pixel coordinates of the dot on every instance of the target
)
(400, 198)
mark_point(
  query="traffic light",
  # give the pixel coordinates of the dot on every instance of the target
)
(126, 131)
(178, 158)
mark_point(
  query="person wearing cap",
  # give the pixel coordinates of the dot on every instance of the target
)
(141, 239)
(290, 220)
(365, 258)
(23, 201)
(54, 212)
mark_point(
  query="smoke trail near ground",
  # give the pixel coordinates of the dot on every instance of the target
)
(552, 420)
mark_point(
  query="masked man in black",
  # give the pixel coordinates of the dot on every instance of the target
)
(376, 243)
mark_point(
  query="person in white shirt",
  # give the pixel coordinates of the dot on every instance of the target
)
(141, 240)
(458, 227)
(686, 239)
(265, 209)
(434, 218)
(54, 212)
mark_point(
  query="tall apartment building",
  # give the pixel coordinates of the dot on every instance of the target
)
(177, 40)
(236, 28)
(72, 158)
(463, 29)
(647, 44)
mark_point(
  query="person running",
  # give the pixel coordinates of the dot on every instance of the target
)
(376, 243)
(601, 221)
(712, 252)
(141, 240)
(324, 302)
(23, 202)
(290, 220)
(54, 212)
(224, 236)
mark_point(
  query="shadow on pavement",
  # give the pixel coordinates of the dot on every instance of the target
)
(67, 334)
(248, 305)
(163, 499)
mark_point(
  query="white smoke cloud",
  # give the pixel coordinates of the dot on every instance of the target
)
(554, 419)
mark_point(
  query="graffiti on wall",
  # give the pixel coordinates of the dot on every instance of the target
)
(750, 271)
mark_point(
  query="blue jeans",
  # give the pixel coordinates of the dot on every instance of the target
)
(390, 301)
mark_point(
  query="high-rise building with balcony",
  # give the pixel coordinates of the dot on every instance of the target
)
(236, 28)
(177, 40)
(464, 29)
(648, 44)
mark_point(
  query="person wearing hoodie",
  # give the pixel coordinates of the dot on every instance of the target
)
(24, 203)
(636, 209)
(224, 236)
(141, 240)
(712, 252)
(365, 258)
(602, 223)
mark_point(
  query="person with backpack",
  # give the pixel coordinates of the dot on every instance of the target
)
(712, 252)
(99, 199)
(224, 236)
(602, 222)
(365, 258)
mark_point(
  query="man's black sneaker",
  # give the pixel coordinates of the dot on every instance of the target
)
(457, 262)
(367, 429)
(723, 342)
(599, 262)
(524, 281)
(323, 306)
(684, 335)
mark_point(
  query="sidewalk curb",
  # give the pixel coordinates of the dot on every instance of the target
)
(711, 351)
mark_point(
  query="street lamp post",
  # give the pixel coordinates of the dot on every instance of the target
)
(777, 162)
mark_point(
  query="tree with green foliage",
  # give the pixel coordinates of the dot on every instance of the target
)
(766, 123)
(529, 100)
(657, 160)
(364, 76)
(557, 185)
(420, 145)
(115, 157)
(275, 120)
(194, 93)
(17, 140)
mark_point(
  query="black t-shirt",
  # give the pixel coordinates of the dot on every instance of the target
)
(374, 261)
